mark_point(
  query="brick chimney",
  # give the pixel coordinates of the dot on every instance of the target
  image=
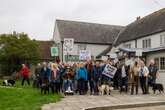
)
(138, 18)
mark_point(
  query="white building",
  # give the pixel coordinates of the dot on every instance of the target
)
(148, 34)
(95, 38)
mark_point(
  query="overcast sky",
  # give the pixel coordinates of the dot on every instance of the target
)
(37, 17)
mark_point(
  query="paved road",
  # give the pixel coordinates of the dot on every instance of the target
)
(146, 108)
(78, 102)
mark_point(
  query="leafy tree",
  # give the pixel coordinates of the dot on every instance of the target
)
(15, 49)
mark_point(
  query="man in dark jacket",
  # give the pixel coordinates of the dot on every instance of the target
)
(45, 73)
(37, 78)
(97, 71)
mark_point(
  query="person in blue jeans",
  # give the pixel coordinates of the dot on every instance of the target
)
(81, 76)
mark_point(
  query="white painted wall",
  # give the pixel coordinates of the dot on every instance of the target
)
(56, 34)
(129, 42)
(95, 49)
(155, 41)
(57, 39)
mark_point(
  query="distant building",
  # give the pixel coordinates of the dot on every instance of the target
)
(96, 38)
(45, 51)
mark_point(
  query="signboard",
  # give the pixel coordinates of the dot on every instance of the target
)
(138, 53)
(72, 57)
(68, 45)
(54, 51)
(109, 71)
(84, 55)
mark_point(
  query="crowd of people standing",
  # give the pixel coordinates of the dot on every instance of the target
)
(87, 76)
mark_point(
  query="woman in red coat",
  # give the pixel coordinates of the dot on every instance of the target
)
(25, 74)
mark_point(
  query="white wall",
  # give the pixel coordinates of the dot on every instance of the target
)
(95, 49)
(155, 40)
(57, 39)
(129, 42)
(56, 35)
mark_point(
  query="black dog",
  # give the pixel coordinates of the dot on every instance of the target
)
(158, 87)
(45, 88)
(8, 82)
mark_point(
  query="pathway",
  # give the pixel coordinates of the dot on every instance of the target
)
(78, 102)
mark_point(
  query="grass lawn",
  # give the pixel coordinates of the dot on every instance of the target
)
(24, 98)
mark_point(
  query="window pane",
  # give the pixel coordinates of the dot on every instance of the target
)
(162, 63)
(157, 62)
(161, 40)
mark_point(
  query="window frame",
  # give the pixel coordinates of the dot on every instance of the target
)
(146, 43)
(159, 63)
(162, 39)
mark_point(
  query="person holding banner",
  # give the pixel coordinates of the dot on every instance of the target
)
(108, 72)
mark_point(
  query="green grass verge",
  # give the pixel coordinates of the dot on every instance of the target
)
(24, 98)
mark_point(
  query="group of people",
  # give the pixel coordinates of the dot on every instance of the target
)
(87, 76)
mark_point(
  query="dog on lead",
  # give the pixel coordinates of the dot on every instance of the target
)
(157, 86)
(9, 82)
(45, 88)
(105, 89)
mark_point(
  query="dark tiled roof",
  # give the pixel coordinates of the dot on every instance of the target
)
(148, 25)
(105, 51)
(83, 32)
(45, 49)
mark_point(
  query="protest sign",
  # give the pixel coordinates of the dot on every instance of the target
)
(84, 55)
(68, 45)
(109, 71)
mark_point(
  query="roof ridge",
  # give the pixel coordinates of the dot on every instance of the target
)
(85, 22)
(146, 16)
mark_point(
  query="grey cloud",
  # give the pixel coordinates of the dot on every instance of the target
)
(37, 17)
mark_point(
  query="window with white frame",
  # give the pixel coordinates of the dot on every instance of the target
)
(128, 45)
(162, 39)
(146, 43)
(160, 62)
(81, 47)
